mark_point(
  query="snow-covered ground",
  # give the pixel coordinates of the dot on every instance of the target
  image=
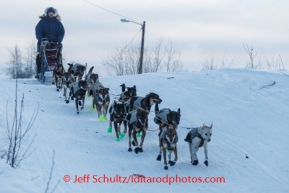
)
(249, 117)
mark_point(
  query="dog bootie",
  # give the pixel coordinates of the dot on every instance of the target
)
(138, 134)
(159, 158)
(172, 163)
(121, 135)
(109, 130)
(195, 162)
(101, 119)
(92, 107)
(206, 163)
(117, 139)
(104, 118)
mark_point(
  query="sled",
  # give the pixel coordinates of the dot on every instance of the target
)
(50, 57)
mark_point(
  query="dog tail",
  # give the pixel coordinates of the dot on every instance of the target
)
(157, 108)
(122, 87)
(90, 70)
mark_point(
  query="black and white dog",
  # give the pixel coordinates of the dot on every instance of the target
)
(77, 91)
(166, 117)
(145, 102)
(168, 141)
(168, 122)
(58, 76)
(137, 122)
(76, 71)
(127, 94)
(67, 81)
(117, 113)
(100, 99)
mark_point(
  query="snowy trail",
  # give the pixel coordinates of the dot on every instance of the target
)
(247, 121)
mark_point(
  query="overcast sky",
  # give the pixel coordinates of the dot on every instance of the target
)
(197, 27)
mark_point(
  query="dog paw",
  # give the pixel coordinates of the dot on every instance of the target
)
(195, 162)
(137, 149)
(159, 158)
(172, 163)
(133, 143)
(206, 163)
(129, 149)
(53, 82)
(82, 108)
(140, 149)
(57, 90)
(166, 167)
(77, 112)
(67, 101)
(72, 98)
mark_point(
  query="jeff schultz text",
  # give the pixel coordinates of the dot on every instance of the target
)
(137, 178)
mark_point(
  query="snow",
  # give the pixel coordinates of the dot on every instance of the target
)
(249, 119)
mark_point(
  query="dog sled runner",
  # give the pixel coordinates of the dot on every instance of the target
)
(49, 57)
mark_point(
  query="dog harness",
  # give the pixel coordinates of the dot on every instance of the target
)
(74, 69)
(194, 133)
(138, 102)
(75, 87)
(162, 115)
(162, 137)
(111, 109)
(132, 117)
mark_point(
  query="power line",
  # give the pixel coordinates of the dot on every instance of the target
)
(131, 40)
(110, 11)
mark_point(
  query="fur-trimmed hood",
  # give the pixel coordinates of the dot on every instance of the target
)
(56, 15)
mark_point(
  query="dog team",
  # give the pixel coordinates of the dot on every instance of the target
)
(132, 111)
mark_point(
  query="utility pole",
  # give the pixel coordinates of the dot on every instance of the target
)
(140, 67)
(142, 49)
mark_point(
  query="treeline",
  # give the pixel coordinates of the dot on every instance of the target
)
(22, 66)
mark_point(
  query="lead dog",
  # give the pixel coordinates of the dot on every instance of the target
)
(168, 122)
(197, 138)
(168, 141)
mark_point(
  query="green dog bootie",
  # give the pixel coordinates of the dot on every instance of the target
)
(92, 107)
(138, 134)
(117, 139)
(104, 118)
(109, 130)
(101, 119)
(169, 151)
(121, 135)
